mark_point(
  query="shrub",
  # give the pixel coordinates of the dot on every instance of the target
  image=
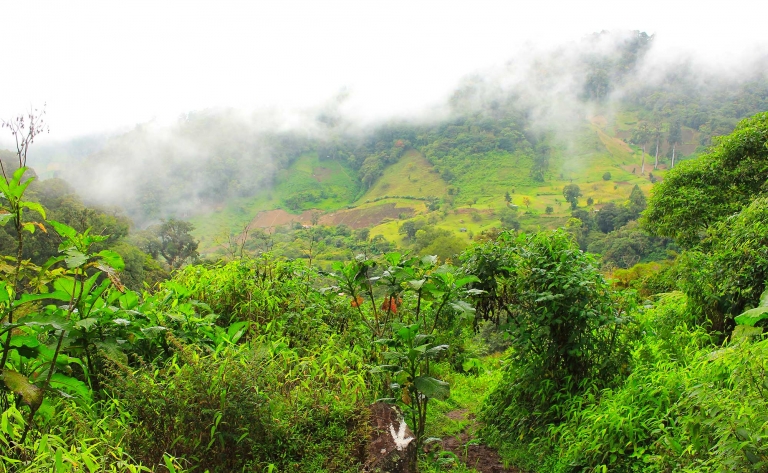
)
(207, 410)
(242, 409)
(686, 406)
(564, 334)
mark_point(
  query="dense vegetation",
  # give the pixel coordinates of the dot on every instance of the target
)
(629, 339)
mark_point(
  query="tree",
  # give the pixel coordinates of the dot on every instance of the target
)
(508, 218)
(640, 136)
(562, 324)
(656, 133)
(175, 243)
(674, 137)
(572, 192)
(607, 176)
(727, 273)
(540, 162)
(507, 197)
(526, 202)
(637, 202)
(700, 192)
(410, 228)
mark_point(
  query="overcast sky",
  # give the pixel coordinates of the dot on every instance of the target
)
(109, 64)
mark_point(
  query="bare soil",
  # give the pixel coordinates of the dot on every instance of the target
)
(475, 455)
(355, 218)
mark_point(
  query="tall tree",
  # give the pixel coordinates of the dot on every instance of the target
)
(572, 192)
(656, 133)
(640, 137)
(174, 243)
(702, 191)
(674, 137)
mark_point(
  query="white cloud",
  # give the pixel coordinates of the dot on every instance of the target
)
(101, 65)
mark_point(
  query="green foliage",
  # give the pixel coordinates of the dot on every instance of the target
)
(700, 192)
(685, 407)
(564, 327)
(726, 274)
(408, 356)
(628, 245)
(607, 176)
(69, 442)
(174, 242)
(572, 192)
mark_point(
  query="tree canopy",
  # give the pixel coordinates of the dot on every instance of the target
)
(700, 192)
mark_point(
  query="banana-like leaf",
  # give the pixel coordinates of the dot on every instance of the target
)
(753, 316)
(432, 388)
(71, 386)
(30, 394)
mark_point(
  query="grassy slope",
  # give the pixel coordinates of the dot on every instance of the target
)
(582, 157)
(589, 152)
(306, 174)
(412, 175)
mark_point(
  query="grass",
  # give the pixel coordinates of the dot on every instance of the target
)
(306, 174)
(582, 156)
(412, 175)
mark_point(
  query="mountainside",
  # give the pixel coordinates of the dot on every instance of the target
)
(513, 137)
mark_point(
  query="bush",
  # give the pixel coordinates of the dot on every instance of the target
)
(686, 406)
(607, 176)
(243, 409)
(208, 410)
(564, 334)
(727, 273)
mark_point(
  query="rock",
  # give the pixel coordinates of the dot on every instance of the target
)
(392, 448)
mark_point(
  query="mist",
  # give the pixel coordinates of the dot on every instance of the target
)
(168, 111)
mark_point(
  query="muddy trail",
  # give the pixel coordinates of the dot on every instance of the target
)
(472, 453)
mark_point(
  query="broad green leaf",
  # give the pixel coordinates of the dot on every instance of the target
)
(764, 299)
(429, 260)
(63, 229)
(5, 218)
(57, 295)
(34, 206)
(153, 332)
(752, 316)
(432, 388)
(434, 351)
(45, 320)
(4, 294)
(416, 284)
(71, 385)
(466, 280)
(75, 259)
(129, 300)
(112, 258)
(464, 308)
(86, 323)
(20, 385)
(746, 331)
(112, 350)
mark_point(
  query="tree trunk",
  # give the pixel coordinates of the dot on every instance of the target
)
(642, 165)
(656, 163)
(673, 154)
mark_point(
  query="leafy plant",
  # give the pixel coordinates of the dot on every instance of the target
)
(409, 354)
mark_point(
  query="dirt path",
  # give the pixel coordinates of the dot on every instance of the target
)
(473, 454)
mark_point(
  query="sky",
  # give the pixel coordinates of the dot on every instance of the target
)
(108, 65)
